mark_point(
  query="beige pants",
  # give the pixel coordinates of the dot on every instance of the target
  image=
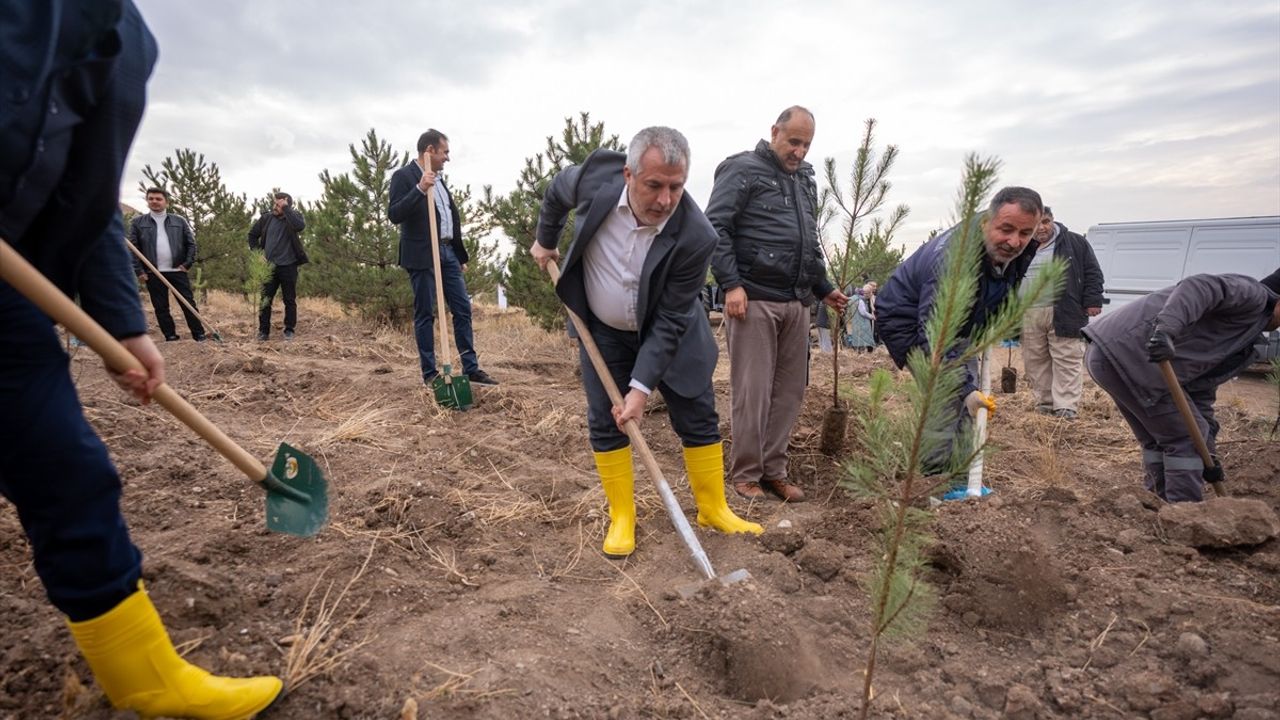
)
(768, 370)
(1054, 365)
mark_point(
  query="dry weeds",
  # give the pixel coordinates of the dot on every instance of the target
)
(316, 651)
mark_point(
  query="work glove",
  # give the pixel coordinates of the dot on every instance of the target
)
(1213, 474)
(1159, 346)
(978, 399)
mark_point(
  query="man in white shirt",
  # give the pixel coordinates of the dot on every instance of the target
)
(172, 252)
(634, 274)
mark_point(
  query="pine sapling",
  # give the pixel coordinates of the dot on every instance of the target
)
(900, 444)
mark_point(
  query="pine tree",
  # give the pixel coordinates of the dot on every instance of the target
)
(895, 445)
(484, 268)
(857, 254)
(352, 245)
(219, 218)
(516, 214)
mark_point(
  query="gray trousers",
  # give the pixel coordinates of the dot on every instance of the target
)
(1172, 468)
(768, 371)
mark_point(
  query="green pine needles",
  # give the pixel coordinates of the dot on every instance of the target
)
(901, 439)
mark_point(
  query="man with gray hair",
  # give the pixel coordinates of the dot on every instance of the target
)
(769, 261)
(634, 274)
(906, 302)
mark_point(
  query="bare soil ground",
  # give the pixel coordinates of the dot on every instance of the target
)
(461, 567)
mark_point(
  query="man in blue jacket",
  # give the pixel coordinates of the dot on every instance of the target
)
(905, 303)
(74, 75)
(412, 187)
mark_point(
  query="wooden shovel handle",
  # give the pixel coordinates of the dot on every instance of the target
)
(15, 270)
(443, 352)
(1188, 418)
(138, 254)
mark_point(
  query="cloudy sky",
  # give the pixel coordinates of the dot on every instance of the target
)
(1114, 110)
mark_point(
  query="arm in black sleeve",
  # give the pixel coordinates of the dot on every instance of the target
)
(729, 195)
(560, 199)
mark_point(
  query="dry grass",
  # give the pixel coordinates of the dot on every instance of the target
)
(316, 650)
(455, 684)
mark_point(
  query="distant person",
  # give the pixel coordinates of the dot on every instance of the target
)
(173, 258)
(1206, 326)
(1052, 347)
(59, 184)
(412, 187)
(769, 262)
(904, 306)
(823, 323)
(861, 321)
(276, 234)
(634, 274)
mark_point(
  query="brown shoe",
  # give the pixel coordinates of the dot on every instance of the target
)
(785, 490)
(749, 490)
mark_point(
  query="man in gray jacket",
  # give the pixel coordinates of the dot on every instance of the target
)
(276, 234)
(173, 258)
(769, 261)
(1206, 326)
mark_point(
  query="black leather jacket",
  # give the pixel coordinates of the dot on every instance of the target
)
(768, 231)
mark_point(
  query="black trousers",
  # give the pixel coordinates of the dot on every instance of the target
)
(181, 281)
(285, 279)
(694, 419)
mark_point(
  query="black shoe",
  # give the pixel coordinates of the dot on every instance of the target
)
(480, 377)
(428, 379)
(263, 337)
(288, 334)
(171, 338)
(199, 339)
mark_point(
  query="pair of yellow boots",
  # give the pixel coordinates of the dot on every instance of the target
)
(705, 465)
(138, 669)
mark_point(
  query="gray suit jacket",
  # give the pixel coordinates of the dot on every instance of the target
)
(676, 345)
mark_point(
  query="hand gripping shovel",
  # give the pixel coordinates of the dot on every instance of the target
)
(451, 391)
(1189, 419)
(974, 487)
(297, 500)
(138, 254)
(632, 428)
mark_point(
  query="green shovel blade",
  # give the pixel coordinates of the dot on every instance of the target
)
(452, 391)
(297, 495)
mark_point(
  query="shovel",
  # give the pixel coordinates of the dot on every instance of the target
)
(1189, 419)
(974, 487)
(138, 254)
(632, 428)
(297, 500)
(451, 391)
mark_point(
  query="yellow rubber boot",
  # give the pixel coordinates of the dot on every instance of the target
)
(705, 465)
(136, 666)
(619, 481)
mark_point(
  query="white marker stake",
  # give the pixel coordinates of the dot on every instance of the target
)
(980, 428)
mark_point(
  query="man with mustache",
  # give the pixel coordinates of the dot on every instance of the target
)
(634, 275)
(769, 262)
(905, 303)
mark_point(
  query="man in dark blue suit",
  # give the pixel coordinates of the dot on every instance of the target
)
(634, 274)
(412, 187)
(74, 76)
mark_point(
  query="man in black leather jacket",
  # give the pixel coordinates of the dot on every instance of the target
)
(769, 261)
(173, 258)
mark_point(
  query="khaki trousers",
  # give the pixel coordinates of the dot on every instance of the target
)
(769, 363)
(1054, 365)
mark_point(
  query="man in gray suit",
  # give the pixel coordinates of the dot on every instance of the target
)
(638, 261)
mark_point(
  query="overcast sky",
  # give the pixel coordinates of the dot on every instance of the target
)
(1114, 110)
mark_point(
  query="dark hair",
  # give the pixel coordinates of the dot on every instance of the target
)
(158, 191)
(786, 114)
(1048, 211)
(284, 196)
(1026, 198)
(430, 138)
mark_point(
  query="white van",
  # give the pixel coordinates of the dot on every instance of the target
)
(1139, 257)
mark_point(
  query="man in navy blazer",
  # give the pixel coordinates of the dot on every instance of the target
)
(633, 274)
(74, 76)
(412, 187)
